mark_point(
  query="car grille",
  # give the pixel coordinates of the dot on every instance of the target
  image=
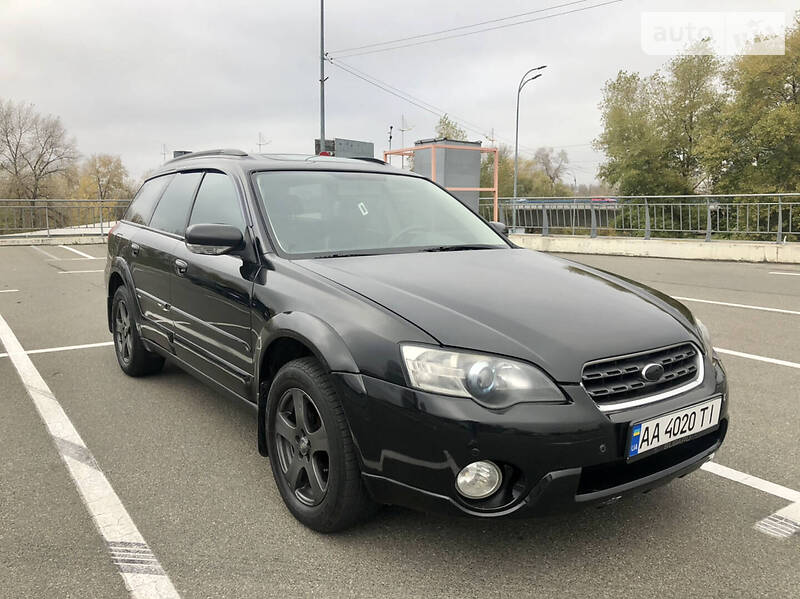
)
(620, 379)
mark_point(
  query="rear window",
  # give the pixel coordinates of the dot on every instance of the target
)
(172, 211)
(141, 208)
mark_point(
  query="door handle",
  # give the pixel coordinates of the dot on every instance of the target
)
(180, 267)
(135, 249)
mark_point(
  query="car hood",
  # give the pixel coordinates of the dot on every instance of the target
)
(549, 311)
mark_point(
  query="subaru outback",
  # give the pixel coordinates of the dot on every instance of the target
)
(399, 348)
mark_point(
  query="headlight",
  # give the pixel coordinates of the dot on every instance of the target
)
(491, 381)
(706, 336)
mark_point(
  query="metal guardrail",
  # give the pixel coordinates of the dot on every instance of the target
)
(754, 217)
(54, 218)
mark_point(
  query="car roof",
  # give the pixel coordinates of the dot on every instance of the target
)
(265, 162)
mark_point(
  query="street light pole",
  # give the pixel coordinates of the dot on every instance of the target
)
(522, 82)
(322, 76)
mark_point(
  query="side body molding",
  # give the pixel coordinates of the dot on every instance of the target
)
(326, 344)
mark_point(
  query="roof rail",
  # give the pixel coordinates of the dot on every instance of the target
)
(218, 152)
(370, 159)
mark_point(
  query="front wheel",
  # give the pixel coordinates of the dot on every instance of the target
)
(312, 454)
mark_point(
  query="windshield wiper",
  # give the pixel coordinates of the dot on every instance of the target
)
(462, 247)
(342, 255)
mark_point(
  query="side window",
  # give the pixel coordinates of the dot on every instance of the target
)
(141, 208)
(172, 211)
(217, 202)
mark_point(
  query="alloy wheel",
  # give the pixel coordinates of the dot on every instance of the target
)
(303, 448)
(122, 332)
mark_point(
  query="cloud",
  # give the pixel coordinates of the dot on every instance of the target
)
(127, 77)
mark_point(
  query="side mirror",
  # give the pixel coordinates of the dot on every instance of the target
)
(214, 240)
(499, 227)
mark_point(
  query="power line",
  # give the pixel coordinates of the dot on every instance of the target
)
(447, 37)
(435, 109)
(432, 33)
(431, 108)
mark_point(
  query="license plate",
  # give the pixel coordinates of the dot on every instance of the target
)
(671, 428)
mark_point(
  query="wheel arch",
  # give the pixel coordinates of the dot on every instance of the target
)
(290, 335)
(119, 275)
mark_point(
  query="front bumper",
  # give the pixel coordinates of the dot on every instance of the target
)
(412, 445)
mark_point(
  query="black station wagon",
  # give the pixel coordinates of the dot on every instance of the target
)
(400, 349)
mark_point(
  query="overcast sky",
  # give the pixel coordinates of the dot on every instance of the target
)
(127, 77)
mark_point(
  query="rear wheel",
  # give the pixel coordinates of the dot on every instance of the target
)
(132, 355)
(312, 454)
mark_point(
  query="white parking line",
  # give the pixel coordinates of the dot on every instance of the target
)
(48, 350)
(752, 481)
(80, 253)
(783, 272)
(8, 290)
(729, 304)
(45, 252)
(77, 259)
(783, 523)
(72, 272)
(740, 354)
(143, 577)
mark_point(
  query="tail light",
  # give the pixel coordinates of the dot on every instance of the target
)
(111, 230)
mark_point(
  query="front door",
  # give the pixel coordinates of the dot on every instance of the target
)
(211, 295)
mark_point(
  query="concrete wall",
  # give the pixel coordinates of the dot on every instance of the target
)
(736, 251)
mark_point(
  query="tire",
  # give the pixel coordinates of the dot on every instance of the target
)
(132, 356)
(312, 456)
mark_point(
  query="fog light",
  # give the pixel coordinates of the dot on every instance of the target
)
(479, 480)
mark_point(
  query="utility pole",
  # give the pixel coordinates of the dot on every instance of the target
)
(163, 153)
(390, 142)
(403, 128)
(262, 142)
(321, 76)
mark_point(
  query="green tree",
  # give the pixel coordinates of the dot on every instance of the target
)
(634, 153)
(653, 127)
(686, 100)
(449, 129)
(756, 142)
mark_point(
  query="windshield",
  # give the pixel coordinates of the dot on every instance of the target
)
(325, 212)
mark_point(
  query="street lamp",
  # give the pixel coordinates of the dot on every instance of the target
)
(522, 82)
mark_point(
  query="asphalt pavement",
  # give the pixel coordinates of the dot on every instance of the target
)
(184, 463)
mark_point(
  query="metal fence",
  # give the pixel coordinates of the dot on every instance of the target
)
(755, 217)
(53, 218)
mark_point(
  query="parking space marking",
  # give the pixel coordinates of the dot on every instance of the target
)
(48, 350)
(731, 305)
(41, 251)
(80, 253)
(740, 354)
(752, 481)
(783, 272)
(782, 524)
(144, 578)
(8, 290)
(73, 272)
(77, 259)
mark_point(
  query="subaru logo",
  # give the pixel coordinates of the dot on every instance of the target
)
(652, 372)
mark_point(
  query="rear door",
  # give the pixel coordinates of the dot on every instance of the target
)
(142, 251)
(212, 294)
(153, 248)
